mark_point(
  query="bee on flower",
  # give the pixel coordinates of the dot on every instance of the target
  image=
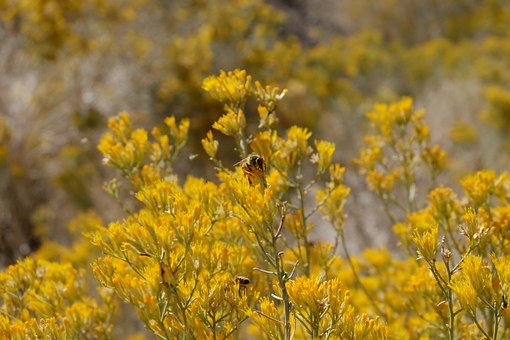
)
(240, 283)
(243, 282)
(254, 169)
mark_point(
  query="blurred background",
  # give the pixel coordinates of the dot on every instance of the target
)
(68, 65)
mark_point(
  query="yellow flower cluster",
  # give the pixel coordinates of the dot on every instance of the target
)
(235, 257)
(41, 299)
(131, 151)
(159, 258)
(179, 260)
(324, 311)
(231, 88)
(458, 289)
(393, 154)
(455, 237)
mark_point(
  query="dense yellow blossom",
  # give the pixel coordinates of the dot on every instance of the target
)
(235, 257)
(392, 156)
(46, 299)
(480, 187)
(159, 258)
(210, 145)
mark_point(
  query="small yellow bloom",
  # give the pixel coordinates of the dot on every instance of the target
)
(502, 265)
(178, 132)
(231, 123)
(324, 155)
(478, 273)
(264, 143)
(479, 187)
(427, 243)
(435, 158)
(232, 87)
(210, 145)
(466, 293)
(443, 203)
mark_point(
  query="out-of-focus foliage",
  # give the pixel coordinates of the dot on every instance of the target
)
(48, 27)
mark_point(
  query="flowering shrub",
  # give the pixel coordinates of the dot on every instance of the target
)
(235, 256)
(42, 299)
(334, 66)
(201, 258)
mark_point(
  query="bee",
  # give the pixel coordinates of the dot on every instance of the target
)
(242, 281)
(254, 168)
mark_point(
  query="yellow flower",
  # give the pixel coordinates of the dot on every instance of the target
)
(268, 95)
(336, 174)
(324, 155)
(267, 118)
(296, 147)
(466, 293)
(210, 145)
(231, 123)
(332, 204)
(263, 144)
(232, 87)
(320, 305)
(47, 299)
(267, 319)
(472, 228)
(369, 157)
(477, 272)
(426, 243)
(444, 203)
(294, 224)
(382, 183)
(502, 265)
(502, 190)
(435, 158)
(501, 222)
(479, 187)
(178, 132)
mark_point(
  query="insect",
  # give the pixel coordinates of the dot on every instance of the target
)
(242, 281)
(254, 168)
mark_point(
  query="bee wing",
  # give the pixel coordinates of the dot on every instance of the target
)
(243, 161)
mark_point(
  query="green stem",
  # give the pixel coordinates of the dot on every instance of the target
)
(443, 285)
(450, 303)
(286, 305)
(305, 237)
(282, 276)
(457, 266)
(496, 322)
(213, 326)
(480, 328)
